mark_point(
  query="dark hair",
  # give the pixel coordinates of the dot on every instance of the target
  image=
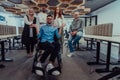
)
(49, 16)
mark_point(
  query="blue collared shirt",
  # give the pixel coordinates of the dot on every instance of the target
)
(47, 33)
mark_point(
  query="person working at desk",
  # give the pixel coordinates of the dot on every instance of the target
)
(76, 32)
(47, 43)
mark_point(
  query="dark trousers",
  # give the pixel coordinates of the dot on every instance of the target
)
(30, 48)
(50, 48)
(30, 45)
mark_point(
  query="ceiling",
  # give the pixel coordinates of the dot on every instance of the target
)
(19, 7)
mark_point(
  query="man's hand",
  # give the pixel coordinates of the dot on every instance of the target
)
(63, 25)
(73, 33)
(33, 25)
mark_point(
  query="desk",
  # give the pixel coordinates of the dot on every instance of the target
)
(2, 40)
(109, 40)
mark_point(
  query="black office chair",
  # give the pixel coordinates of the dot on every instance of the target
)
(66, 34)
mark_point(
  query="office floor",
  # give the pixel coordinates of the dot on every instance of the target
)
(74, 68)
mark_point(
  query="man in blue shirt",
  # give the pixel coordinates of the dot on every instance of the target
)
(47, 43)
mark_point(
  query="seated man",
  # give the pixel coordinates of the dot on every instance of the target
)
(47, 43)
(76, 32)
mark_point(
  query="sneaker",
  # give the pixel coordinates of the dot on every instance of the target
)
(39, 72)
(49, 67)
(70, 55)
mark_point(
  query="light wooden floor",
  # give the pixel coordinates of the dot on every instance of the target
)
(74, 68)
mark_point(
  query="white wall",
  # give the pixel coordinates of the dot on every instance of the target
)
(11, 20)
(110, 14)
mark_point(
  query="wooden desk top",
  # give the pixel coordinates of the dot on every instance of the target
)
(115, 39)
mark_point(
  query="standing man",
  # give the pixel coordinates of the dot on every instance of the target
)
(42, 16)
(76, 32)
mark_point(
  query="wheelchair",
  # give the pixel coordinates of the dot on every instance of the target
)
(38, 54)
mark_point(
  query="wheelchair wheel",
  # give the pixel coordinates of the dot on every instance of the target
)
(36, 59)
(59, 61)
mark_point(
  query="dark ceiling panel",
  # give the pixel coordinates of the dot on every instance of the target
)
(66, 1)
(7, 4)
(96, 4)
(53, 2)
(16, 1)
(63, 5)
(77, 2)
(29, 3)
(42, 5)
